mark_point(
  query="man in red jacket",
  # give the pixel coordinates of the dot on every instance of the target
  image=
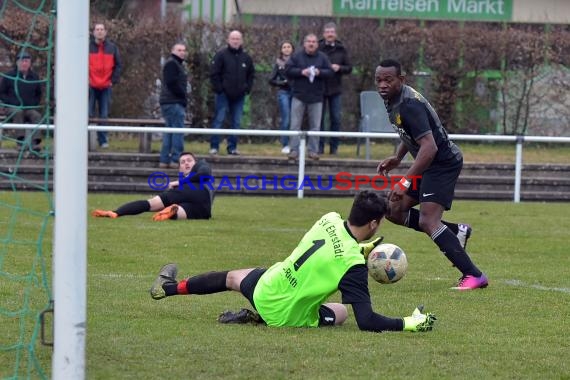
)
(104, 72)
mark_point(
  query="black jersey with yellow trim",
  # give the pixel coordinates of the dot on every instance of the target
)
(413, 117)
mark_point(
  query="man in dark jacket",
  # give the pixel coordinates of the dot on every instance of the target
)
(187, 198)
(341, 65)
(104, 72)
(173, 101)
(20, 92)
(308, 68)
(231, 74)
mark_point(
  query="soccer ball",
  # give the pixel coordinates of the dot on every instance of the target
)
(387, 263)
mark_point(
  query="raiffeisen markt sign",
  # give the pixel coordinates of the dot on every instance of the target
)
(472, 10)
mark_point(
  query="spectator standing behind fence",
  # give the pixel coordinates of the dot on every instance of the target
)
(20, 92)
(104, 72)
(231, 74)
(308, 70)
(340, 63)
(173, 101)
(284, 94)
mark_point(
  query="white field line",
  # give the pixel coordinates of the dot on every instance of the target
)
(122, 276)
(538, 287)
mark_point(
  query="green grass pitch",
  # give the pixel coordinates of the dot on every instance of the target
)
(516, 328)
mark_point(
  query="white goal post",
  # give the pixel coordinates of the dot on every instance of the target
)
(70, 190)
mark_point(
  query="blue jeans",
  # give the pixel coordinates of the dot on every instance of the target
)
(172, 143)
(223, 106)
(284, 99)
(103, 97)
(333, 104)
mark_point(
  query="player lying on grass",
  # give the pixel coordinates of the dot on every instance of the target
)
(178, 202)
(437, 160)
(294, 292)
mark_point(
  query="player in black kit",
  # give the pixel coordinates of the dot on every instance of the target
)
(437, 160)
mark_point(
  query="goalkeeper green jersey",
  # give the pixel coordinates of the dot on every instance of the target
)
(291, 292)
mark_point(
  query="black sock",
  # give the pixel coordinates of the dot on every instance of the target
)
(413, 222)
(453, 227)
(207, 283)
(449, 245)
(133, 208)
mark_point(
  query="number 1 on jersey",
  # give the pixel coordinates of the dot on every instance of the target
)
(314, 248)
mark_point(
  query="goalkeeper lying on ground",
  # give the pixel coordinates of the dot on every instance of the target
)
(294, 292)
(178, 202)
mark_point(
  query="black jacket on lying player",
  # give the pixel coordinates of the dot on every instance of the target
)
(195, 198)
(184, 199)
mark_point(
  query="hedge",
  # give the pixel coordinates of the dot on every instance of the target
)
(480, 77)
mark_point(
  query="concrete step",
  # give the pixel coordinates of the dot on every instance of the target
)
(139, 188)
(280, 164)
(560, 173)
(284, 177)
(116, 174)
(125, 172)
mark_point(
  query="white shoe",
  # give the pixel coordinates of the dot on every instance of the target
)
(464, 234)
(213, 152)
(286, 150)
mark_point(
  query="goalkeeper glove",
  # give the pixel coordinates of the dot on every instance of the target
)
(366, 248)
(418, 321)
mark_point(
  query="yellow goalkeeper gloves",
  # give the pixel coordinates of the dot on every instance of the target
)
(366, 248)
(419, 322)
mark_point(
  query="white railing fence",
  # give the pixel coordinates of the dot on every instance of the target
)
(518, 140)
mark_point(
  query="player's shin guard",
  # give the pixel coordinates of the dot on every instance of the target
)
(451, 248)
(133, 208)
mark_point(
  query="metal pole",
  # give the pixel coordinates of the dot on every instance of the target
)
(367, 139)
(162, 10)
(70, 190)
(162, 18)
(301, 174)
(518, 169)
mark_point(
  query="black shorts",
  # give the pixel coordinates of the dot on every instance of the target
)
(437, 184)
(197, 203)
(327, 316)
(248, 284)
